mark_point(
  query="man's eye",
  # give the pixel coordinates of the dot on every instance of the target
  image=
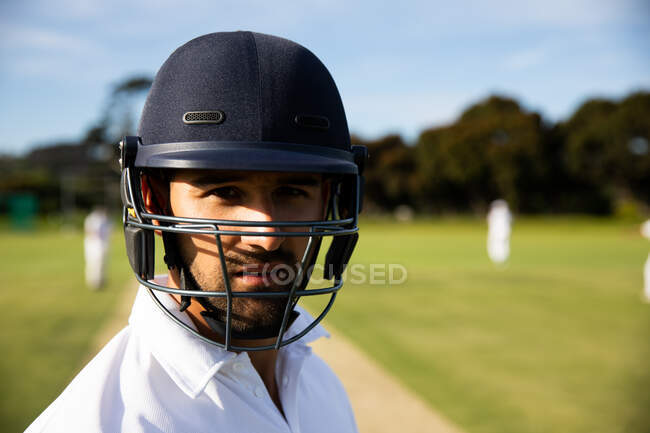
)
(226, 192)
(288, 191)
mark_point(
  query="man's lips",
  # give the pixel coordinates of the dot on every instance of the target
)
(255, 280)
(260, 268)
(265, 274)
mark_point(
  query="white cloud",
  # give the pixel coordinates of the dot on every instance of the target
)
(51, 54)
(525, 59)
(551, 12)
(26, 38)
(72, 10)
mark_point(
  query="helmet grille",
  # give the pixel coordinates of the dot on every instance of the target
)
(200, 117)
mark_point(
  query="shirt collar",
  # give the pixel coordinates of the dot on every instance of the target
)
(189, 361)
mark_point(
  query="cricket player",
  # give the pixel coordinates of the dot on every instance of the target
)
(499, 227)
(242, 165)
(645, 232)
(97, 233)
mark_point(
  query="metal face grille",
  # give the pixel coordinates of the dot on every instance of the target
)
(203, 117)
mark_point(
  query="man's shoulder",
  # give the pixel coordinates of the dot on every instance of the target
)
(82, 403)
(321, 389)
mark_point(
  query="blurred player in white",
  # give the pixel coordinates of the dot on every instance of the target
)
(499, 227)
(645, 232)
(97, 229)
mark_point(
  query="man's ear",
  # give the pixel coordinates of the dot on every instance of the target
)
(155, 194)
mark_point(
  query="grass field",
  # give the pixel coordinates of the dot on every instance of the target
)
(558, 341)
(48, 317)
(555, 341)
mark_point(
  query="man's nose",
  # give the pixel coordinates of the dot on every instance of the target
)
(263, 212)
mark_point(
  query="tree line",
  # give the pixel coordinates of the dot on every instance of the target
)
(595, 162)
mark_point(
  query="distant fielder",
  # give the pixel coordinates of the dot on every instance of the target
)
(97, 230)
(645, 232)
(499, 227)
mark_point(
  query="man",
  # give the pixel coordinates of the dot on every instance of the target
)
(645, 232)
(243, 164)
(498, 240)
(97, 233)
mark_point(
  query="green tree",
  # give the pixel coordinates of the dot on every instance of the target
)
(388, 173)
(494, 150)
(607, 146)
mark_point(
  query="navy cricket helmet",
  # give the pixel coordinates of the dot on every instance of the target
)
(249, 102)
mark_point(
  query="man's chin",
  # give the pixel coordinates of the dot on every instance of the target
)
(255, 332)
(252, 329)
(253, 312)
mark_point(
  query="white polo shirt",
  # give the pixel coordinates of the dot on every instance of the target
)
(155, 376)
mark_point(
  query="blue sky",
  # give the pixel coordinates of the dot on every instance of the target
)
(400, 67)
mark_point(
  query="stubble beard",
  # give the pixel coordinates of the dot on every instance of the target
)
(249, 316)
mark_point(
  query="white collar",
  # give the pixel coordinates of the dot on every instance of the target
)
(188, 360)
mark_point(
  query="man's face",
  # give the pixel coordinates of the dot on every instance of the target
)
(254, 263)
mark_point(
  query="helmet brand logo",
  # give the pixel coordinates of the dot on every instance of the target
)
(312, 121)
(203, 117)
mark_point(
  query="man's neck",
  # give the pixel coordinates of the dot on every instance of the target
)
(263, 361)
